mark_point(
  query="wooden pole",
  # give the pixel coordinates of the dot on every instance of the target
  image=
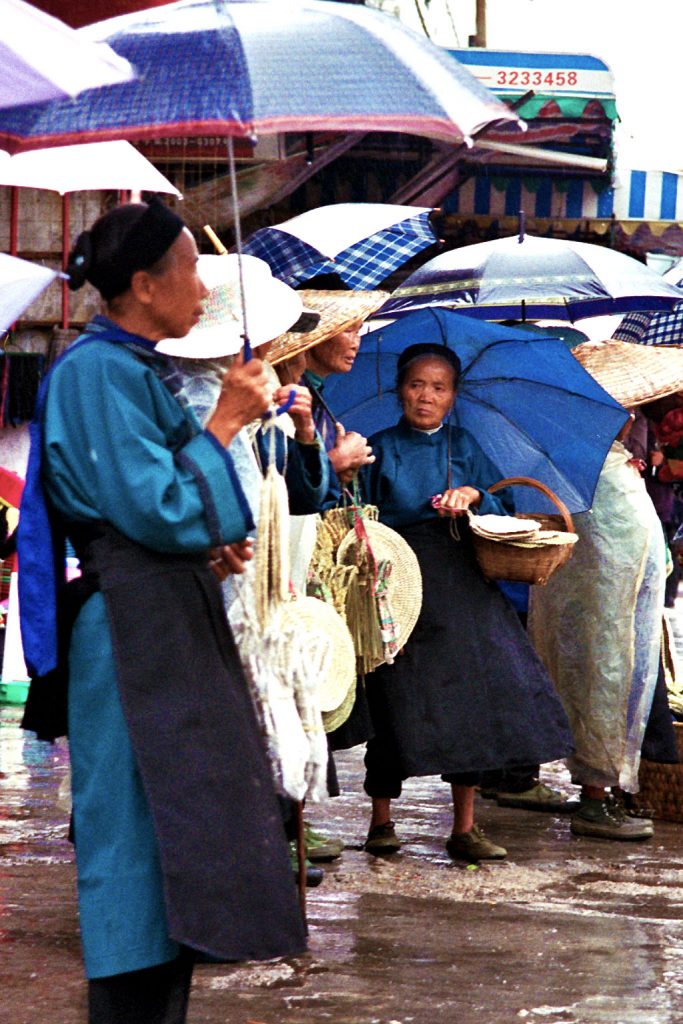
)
(301, 858)
(480, 38)
(14, 221)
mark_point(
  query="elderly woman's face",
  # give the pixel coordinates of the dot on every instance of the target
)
(337, 354)
(427, 393)
(175, 296)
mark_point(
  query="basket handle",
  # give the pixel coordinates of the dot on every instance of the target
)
(527, 481)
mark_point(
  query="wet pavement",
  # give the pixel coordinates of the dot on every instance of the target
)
(566, 931)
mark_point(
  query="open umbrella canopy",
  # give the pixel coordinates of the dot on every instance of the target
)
(533, 408)
(20, 283)
(532, 278)
(245, 67)
(95, 165)
(674, 275)
(362, 243)
(43, 59)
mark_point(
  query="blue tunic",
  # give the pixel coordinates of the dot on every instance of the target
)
(118, 447)
(469, 692)
(411, 466)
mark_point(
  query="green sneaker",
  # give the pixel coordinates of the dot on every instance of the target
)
(538, 798)
(382, 839)
(599, 819)
(320, 847)
(473, 846)
(629, 804)
(314, 875)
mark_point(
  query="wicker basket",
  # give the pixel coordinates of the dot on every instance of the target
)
(661, 785)
(505, 560)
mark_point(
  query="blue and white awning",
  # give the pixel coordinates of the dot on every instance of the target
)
(648, 195)
(636, 195)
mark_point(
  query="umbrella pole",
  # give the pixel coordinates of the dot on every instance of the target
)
(65, 259)
(238, 243)
(13, 228)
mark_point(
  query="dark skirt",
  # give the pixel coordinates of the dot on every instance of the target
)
(469, 693)
(227, 878)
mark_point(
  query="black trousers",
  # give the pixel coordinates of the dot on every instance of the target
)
(383, 778)
(155, 995)
(512, 780)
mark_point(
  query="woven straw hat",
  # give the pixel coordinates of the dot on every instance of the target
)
(404, 586)
(333, 719)
(271, 306)
(338, 311)
(633, 374)
(311, 615)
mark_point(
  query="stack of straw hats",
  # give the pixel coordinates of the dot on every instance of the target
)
(404, 585)
(338, 683)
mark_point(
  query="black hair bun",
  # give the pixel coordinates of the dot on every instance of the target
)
(80, 261)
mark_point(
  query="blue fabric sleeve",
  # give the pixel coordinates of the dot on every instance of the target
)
(484, 474)
(306, 469)
(118, 446)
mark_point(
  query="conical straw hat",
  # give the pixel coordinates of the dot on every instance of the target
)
(338, 311)
(633, 374)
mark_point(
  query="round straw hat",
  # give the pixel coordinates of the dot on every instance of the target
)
(633, 374)
(338, 311)
(311, 615)
(333, 719)
(404, 585)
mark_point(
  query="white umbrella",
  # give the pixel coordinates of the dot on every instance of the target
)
(95, 165)
(20, 283)
(65, 169)
(42, 58)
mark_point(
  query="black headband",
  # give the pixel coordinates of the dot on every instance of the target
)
(142, 245)
(429, 348)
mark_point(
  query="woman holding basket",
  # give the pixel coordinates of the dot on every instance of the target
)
(469, 693)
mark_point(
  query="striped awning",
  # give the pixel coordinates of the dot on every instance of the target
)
(651, 196)
(648, 195)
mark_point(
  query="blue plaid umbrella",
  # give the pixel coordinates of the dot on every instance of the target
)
(245, 67)
(652, 328)
(360, 242)
(531, 405)
(656, 328)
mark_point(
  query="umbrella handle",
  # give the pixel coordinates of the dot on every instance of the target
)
(285, 407)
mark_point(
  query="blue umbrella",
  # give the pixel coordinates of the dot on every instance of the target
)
(530, 278)
(362, 243)
(247, 67)
(531, 405)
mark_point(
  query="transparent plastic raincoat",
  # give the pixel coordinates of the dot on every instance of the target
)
(597, 626)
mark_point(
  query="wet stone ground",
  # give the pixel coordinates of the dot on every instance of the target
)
(566, 931)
